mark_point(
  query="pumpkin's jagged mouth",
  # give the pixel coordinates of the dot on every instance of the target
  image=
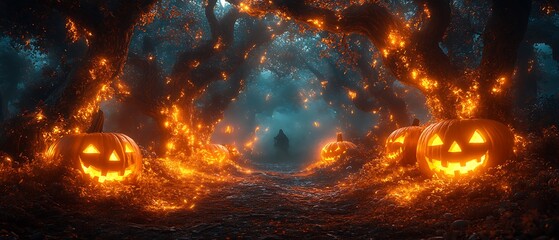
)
(456, 168)
(332, 155)
(395, 154)
(109, 176)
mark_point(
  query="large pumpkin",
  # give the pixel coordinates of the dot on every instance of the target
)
(214, 153)
(402, 143)
(459, 147)
(101, 156)
(332, 151)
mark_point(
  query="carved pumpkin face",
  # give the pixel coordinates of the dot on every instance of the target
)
(459, 147)
(401, 144)
(214, 153)
(101, 156)
(332, 151)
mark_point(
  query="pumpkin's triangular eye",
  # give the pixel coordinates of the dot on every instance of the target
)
(436, 141)
(454, 147)
(400, 139)
(90, 149)
(477, 138)
(114, 157)
(128, 148)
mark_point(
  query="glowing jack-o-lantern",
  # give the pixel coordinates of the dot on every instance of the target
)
(401, 144)
(214, 153)
(460, 147)
(100, 156)
(332, 151)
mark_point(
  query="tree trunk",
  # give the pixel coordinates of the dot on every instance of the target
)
(3, 107)
(26, 136)
(503, 34)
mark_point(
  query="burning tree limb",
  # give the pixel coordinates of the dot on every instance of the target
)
(185, 71)
(414, 55)
(383, 92)
(368, 94)
(234, 67)
(184, 102)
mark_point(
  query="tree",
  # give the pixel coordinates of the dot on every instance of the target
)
(107, 26)
(413, 54)
(205, 78)
(88, 43)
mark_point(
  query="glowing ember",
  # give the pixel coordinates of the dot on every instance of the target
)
(352, 94)
(316, 124)
(316, 22)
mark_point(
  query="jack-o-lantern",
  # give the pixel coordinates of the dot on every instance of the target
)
(100, 156)
(401, 144)
(214, 153)
(332, 151)
(460, 147)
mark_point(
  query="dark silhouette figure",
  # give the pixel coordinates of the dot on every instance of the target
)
(281, 142)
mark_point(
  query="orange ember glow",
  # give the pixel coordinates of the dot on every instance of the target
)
(317, 22)
(426, 11)
(72, 30)
(228, 129)
(498, 87)
(316, 124)
(352, 94)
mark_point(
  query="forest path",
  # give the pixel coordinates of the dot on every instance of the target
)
(271, 205)
(260, 205)
(277, 204)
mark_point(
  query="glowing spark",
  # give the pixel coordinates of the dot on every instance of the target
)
(352, 94)
(426, 11)
(228, 129)
(218, 44)
(414, 74)
(316, 22)
(244, 7)
(39, 116)
(72, 31)
(498, 87)
(428, 84)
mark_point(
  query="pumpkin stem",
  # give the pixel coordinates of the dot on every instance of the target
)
(415, 122)
(340, 138)
(97, 123)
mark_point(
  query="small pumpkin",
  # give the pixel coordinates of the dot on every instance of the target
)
(456, 147)
(332, 151)
(401, 144)
(100, 156)
(214, 153)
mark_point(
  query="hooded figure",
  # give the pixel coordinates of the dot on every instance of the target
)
(281, 142)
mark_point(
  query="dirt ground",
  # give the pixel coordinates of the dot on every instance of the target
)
(356, 198)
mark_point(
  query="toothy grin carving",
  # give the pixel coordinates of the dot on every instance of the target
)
(395, 154)
(108, 175)
(456, 168)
